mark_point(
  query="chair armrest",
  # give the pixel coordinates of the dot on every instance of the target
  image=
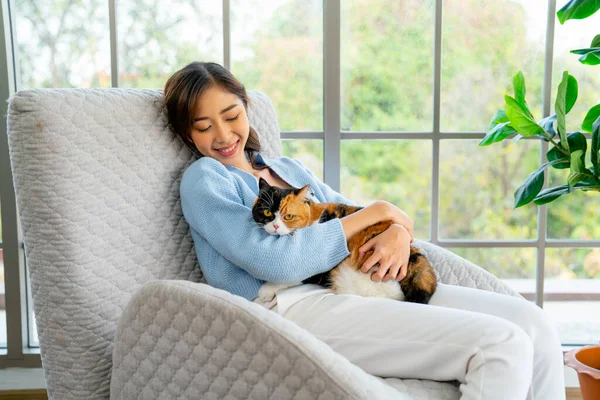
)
(455, 270)
(178, 339)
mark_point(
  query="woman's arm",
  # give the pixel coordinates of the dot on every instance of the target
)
(374, 213)
(213, 208)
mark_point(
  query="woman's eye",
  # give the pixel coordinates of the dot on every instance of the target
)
(288, 217)
(204, 130)
(233, 118)
(267, 213)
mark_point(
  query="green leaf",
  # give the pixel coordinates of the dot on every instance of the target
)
(548, 124)
(589, 56)
(550, 194)
(498, 118)
(589, 119)
(498, 134)
(576, 177)
(563, 162)
(577, 163)
(578, 170)
(498, 129)
(577, 141)
(532, 185)
(595, 156)
(521, 119)
(572, 92)
(577, 9)
(520, 91)
(559, 107)
(596, 41)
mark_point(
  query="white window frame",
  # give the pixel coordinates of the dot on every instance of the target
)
(18, 352)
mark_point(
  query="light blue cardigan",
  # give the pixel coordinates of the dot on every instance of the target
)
(237, 255)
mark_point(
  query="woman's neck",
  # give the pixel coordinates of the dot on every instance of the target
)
(245, 165)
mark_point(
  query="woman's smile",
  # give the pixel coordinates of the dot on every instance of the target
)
(228, 151)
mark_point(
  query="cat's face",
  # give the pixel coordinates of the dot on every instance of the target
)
(281, 211)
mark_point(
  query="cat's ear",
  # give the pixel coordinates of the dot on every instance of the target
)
(302, 193)
(263, 184)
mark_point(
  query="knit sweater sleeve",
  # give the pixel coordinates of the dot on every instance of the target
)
(213, 207)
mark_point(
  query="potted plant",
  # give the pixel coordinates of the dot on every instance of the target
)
(568, 151)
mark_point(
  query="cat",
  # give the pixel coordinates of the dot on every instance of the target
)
(281, 211)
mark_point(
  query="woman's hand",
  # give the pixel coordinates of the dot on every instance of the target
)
(391, 249)
(390, 211)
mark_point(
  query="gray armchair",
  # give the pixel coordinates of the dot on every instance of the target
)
(118, 295)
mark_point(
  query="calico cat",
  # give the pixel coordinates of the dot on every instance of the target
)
(281, 211)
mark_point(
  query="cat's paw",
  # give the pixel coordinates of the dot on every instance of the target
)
(267, 292)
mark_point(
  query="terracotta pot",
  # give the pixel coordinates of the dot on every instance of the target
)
(586, 361)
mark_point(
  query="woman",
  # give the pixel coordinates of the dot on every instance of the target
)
(496, 346)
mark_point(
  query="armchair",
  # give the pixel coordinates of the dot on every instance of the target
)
(120, 304)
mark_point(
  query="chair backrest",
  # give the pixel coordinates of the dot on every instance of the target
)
(96, 174)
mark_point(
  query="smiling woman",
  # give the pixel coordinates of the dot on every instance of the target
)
(220, 133)
(213, 128)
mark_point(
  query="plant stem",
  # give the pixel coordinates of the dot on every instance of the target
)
(559, 147)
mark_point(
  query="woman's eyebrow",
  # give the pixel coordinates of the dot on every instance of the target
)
(222, 112)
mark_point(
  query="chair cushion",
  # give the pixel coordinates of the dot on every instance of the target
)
(96, 175)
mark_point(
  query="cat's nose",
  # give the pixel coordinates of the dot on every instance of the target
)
(275, 226)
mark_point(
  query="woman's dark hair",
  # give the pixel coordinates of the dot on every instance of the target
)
(182, 91)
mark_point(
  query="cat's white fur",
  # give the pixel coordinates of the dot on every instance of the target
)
(351, 281)
(282, 228)
(347, 279)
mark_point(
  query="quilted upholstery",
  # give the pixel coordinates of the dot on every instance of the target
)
(96, 175)
(170, 333)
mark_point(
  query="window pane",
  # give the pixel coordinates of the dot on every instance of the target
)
(477, 186)
(514, 266)
(572, 293)
(387, 65)
(398, 171)
(277, 47)
(62, 43)
(158, 37)
(575, 215)
(484, 44)
(2, 303)
(576, 34)
(309, 151)
(32, 334)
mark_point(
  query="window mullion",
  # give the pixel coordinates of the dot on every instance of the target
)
(114, 53)
(226, 34)
(435, 168)
(13, 254)
(331, 93)
(546, 105)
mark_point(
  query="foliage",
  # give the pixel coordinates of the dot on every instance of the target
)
(570, 150)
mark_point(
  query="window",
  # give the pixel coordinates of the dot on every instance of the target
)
(381, 99)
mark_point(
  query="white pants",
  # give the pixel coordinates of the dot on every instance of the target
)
(496, 346)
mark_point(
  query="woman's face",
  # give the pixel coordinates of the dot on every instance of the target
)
(220, 128)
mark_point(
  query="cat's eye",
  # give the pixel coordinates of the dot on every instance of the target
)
(288, 217)
(267, 213)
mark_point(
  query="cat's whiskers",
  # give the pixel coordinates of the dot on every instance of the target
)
(267, 198)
